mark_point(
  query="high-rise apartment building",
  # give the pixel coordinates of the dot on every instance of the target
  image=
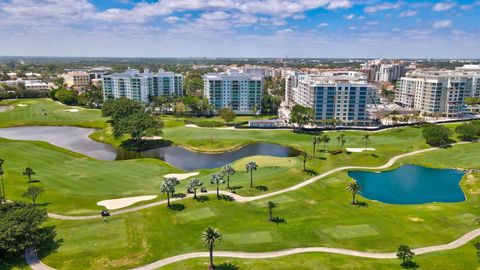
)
(139, 86)
(242, 92)
(436, 91)
(341, 96)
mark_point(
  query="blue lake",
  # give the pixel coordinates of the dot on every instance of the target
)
(411, 184)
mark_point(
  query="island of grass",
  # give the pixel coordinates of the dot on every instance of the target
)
(319, 214)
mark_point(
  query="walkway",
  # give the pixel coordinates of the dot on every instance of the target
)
(239, 198)
(35, 264)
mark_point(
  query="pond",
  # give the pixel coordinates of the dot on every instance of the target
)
(76, 139)
(411, 184)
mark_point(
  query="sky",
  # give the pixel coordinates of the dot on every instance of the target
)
(241, 28)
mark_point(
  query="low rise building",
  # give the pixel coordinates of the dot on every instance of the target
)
(78, 80)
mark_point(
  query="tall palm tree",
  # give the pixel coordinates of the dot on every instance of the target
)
(3, 198)
(209, 238)
(29, 172)
(228, 170)
(193, 185)
(167, 187)
(325, 139)
(340, 140)
(353, 188)
(366, 138)
(270, 206)
(304, 160)
(173, 181)
(217, 179)
(314, 142)
(251, 166)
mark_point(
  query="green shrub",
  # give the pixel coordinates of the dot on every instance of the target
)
(436, 135)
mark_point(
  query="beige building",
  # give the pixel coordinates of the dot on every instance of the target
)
(76, 79)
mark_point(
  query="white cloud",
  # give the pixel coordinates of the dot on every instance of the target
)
(408, 13)
(349, 17)
(298, 16)
(339, 4)
(472, 5)
(379, 7)
(443, 6)
(284, 31)
(442, 24)
(323, 24)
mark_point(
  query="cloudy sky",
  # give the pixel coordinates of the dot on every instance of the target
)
(241, 28)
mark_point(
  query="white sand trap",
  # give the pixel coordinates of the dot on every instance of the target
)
(22, 105)
(181, 176)
(72, 110)
(359, 150)
(152, 138)
(191, 126)
(124, 202)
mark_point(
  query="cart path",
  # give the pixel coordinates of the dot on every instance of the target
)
(242, 199)
(36, 264)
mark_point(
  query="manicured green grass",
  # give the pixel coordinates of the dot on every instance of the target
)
(461, 258)
(46, 112)
(319, 215)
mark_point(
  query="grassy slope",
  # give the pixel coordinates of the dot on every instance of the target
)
(317, 215)
(461, 258)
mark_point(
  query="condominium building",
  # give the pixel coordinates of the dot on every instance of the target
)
(76, 79)
(139, 86)
(383, 71)
(436, 91)
(340, 96)
(242, 92)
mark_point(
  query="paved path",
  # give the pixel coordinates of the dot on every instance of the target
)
(36, 264)
(239, 198)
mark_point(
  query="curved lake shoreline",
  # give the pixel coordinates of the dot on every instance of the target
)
(77, 140)
(411, 184)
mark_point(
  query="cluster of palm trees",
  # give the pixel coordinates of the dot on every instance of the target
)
(341, 140)
(168, 186)
(320, 139)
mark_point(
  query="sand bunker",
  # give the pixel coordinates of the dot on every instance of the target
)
(191, 126)
(72, 110)
(181, 176)
(22, 105)
(359, 150)
(124, 202)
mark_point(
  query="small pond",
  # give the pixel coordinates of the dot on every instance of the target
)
(411, 184)
(76, 139)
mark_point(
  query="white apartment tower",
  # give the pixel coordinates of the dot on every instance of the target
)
(139, 86)
(242, 92)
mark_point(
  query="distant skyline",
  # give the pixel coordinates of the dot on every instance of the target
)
(240, 28)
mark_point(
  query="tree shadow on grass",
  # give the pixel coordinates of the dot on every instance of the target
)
(43, 204)
(279, 220)
(227, 266)
(225, 198)
(374, 155)
(202, 199)
(34, 181)
(179, 195)
(311, 172)
(361, 204)
(261, 188)
(322, 158)
(50, 244)
(410, 265)
(233, 188)
(177, 207)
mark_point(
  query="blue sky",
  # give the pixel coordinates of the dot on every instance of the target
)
(241, 28)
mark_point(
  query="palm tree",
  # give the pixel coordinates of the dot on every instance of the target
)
(366, 138)
(340, 140)
(325, 139)
(167, 187)
(193, 185)
(251, 166)
(217, 179)
(353, 188)
(2, 194)
(29, 172)
(228, 170)
(304, 159)
(270, 206)
(314, 142)
(173, 181)
(209, 237)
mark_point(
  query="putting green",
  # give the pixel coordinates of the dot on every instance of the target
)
(196, 214)
(249, 237)
(350, 231)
